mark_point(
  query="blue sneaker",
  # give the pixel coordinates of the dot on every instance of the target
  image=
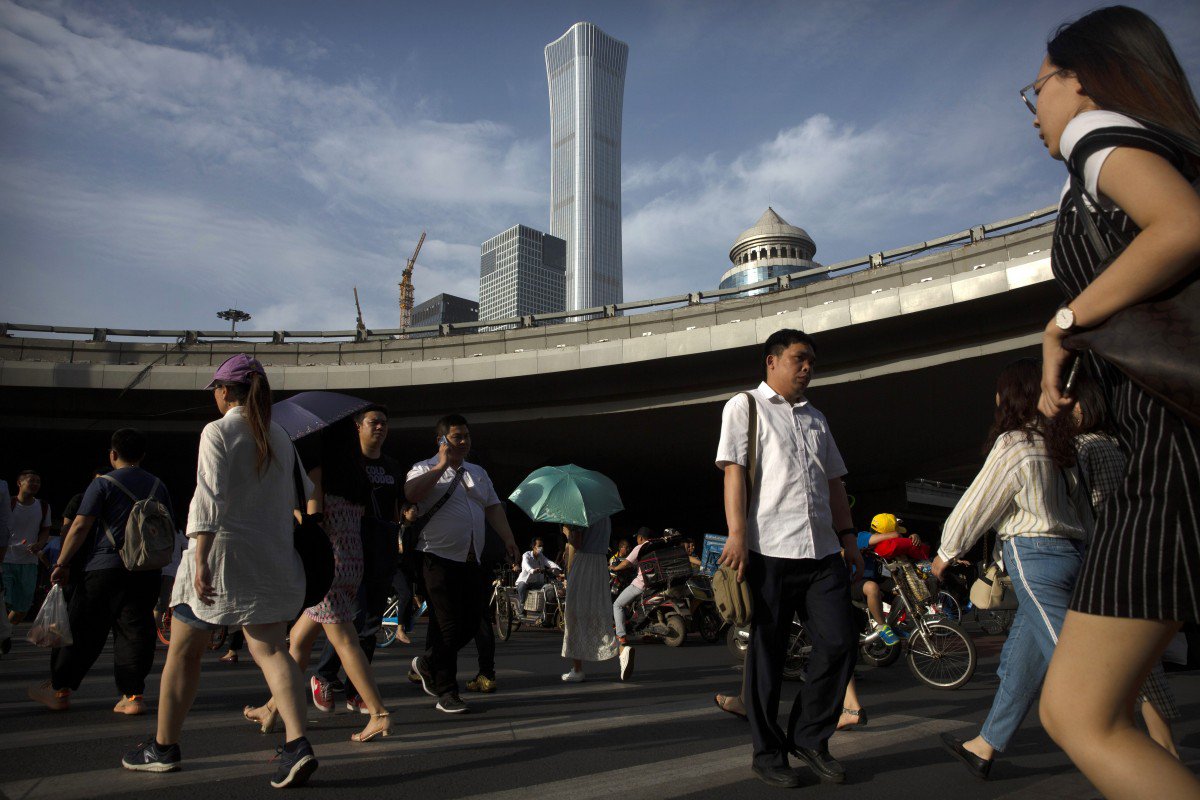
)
(888, 635)
(294, 768)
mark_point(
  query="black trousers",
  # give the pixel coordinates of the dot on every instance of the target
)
(819, 591)
(105, 600)
(452, 591)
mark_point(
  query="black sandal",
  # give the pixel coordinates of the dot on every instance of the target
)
(859, 714)
(729, 706)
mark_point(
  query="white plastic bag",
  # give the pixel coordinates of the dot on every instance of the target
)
(52, 628)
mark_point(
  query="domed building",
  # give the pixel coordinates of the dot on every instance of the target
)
(772, 247)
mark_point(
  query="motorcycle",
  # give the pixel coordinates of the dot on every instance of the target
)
(706, 620)
(545, 606)
(664, 615)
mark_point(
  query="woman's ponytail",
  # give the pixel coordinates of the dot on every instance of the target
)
(258, 415)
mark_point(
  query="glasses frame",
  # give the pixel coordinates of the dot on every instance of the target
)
(1036, 87)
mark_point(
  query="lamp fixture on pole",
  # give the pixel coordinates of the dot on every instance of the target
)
(233, 316)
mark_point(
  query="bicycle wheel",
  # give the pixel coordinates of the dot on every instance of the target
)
(386, 636)
(878, 654)
(164, 628)
(994, 623)
(504, 618)
(942, 656)
(949, 606)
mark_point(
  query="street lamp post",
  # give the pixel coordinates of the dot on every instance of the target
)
(234, 316)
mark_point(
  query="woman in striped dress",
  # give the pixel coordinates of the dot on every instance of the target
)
(1102, 466)
(1029, 491)
(1137, 585)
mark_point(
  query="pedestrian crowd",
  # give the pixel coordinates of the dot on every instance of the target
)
(1089, 481)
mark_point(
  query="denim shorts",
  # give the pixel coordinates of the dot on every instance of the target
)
(183, 612)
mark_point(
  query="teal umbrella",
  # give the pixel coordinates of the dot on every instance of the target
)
(568, 495)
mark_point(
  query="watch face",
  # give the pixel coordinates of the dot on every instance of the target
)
(1065, 318)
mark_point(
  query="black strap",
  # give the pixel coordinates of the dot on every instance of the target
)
(423, 520)
(301, 498)
(753, 467)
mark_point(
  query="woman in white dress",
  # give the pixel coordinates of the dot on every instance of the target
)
(589, 634)
(240, 568)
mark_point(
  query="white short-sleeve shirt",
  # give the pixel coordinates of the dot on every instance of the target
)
(459, 523)
(789, 516)
(1079, 127)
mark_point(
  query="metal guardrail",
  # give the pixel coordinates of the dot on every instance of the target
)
(779, 283)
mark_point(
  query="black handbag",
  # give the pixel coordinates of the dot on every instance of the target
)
(1155, 342)
(314, 547)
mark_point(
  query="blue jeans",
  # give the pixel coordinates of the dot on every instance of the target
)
(1043, 572)
(627, 596)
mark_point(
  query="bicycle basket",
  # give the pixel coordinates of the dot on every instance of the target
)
(914, 581)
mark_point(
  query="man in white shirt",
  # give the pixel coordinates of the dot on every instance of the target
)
(454, 498)
(531, 562)
(792, 538)
(30, 533)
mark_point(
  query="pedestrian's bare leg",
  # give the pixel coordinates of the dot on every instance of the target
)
(1098, 669)
(1159, 728)
(851, 703)
(345, 641)
(267, 644)
(180, 679)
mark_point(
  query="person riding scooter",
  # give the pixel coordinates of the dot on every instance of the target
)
(533, 566)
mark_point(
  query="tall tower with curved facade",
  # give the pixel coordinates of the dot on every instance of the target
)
(585, 68)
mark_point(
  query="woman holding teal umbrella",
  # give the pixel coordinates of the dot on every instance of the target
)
(582, 502)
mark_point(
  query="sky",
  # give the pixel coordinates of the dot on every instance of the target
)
(162, 161)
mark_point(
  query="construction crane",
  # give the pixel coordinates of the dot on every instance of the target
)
(360, 326)
(406, 287)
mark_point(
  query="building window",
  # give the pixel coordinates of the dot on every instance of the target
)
(754, 256)
(774, 253)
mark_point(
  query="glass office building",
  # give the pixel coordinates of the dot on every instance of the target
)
(770, 248)
(585, 69)
(441, 309)
(521, 271)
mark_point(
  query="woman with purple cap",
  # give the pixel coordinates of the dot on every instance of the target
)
(240, 568)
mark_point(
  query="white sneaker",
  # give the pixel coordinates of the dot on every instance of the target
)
(626, 660)
(573, 676)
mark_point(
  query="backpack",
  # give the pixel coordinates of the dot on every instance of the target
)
(149, 532)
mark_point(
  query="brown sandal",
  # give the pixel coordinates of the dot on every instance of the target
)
(731, 704)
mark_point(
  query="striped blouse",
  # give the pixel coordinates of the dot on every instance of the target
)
(1019, 492)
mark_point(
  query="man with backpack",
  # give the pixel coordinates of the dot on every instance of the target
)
(128, 513)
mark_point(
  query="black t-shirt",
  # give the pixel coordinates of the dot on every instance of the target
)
(71, 511)
(387, 482)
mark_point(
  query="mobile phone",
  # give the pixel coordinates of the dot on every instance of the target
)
(442, 440)
(1072, 375)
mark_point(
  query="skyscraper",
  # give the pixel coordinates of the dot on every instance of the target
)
(521, 271)
(585, 68)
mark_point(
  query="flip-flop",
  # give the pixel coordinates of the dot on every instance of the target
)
(727, 706)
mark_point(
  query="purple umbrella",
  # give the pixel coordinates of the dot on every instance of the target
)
(309, 412)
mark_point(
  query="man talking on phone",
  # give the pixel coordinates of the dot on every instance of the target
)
(792, 539)
(454, 499)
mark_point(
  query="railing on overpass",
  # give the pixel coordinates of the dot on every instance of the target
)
(976, 234)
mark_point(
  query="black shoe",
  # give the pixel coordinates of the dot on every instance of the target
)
(451, 703)
(294, 768)
(421, 668)
(783, 777)
(149, 757)
(979, 767)
(819, 761)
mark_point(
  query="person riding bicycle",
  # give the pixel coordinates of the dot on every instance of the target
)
(875, 579)
(533, 570)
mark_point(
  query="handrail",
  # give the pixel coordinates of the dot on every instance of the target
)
(975, 234)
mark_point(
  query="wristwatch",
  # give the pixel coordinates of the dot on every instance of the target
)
(1064, 318)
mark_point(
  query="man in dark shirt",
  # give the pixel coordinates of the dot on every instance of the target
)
(110, 597)
(387, 479)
